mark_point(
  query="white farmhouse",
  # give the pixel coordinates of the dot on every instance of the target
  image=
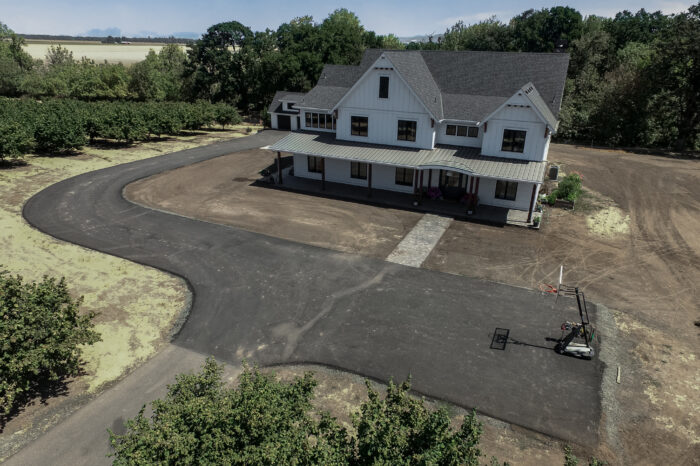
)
(464, 125)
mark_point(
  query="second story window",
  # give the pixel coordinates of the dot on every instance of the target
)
(407, 131)
(513, 140)
(359, 126)
(457, 130)
(384, 87)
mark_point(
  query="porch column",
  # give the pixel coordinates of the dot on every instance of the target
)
(532, 203)
(471, 185)
(476, 188)
(323, 174)
(430, 178)
(279, 167)
(420, 188)
(369, 180)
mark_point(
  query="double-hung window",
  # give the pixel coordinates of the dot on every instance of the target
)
(506, 190)
(513, 140)
(358, 170)
(407, 131)
(404, 176)
(315, 164)
(359, 125)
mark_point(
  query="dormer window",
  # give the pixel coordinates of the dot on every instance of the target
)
(384, 87)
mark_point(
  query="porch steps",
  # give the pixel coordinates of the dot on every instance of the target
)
(416, 246)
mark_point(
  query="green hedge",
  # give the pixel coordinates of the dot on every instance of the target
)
(57, 126)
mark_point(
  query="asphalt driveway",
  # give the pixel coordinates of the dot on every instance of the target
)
(273, 301)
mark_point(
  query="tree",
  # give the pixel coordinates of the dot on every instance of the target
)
(400, 430)
(266, 421)
(216, 66)
(545, 29)
(489, 34)
(41, 333)
(59, 56)
(640, 27)
(16, 139)
(60, 128)
(676, 71)
(342, 38)
(260, 421)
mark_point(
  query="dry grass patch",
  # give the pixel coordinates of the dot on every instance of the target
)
(137, 305)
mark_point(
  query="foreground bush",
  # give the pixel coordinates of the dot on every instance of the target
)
(570, 187)
(16, 140)
(40, 336)
(264, 421)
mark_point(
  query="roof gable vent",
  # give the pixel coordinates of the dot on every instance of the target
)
(528, 89)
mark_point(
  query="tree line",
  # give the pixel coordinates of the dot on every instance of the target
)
(56, 126)
(633, 80)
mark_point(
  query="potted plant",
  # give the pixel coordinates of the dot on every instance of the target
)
(536, 221)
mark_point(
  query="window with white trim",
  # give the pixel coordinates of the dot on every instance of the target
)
(506, 190)
(464, 131)
(404, 176)
(513, 140)
(358, 170)
(314, 164)
(319, 120)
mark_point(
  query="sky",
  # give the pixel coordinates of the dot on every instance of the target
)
(170, 17)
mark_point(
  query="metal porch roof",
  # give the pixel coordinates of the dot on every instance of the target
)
(463, 159)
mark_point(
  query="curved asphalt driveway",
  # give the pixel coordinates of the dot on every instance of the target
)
(273, 301)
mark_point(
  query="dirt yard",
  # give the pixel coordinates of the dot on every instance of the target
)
(222, 190)
(633, 245)
(137, 306)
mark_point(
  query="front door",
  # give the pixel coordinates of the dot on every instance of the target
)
(451, 185)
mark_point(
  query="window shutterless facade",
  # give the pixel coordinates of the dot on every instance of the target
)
(406, 131)
(513, 140)
(319, 120)
(358, 170)
(315, 164)
(458, 130)
(506, 190)
(384, 87)
(404, 176)
(359, 126)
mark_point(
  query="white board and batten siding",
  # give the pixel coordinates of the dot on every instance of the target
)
(384, 114)
(338, 171)
(517, 118)
(487, 195)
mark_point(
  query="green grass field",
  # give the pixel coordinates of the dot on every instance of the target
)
(113, 53)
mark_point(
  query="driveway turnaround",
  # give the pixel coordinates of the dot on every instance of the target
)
(272, 301)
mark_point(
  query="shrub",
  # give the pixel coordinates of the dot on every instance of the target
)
(570, 187)
(552, 198)
(40, 337)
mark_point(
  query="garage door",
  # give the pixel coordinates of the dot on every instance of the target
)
(283, 122)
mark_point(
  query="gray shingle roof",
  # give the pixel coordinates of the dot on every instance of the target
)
(458, 85)
(276, 104)
(412, 68)
(465, 159)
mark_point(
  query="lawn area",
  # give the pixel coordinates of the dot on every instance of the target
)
(113, 53)
(137, 306)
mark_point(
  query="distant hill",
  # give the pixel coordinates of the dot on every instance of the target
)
(419, 38)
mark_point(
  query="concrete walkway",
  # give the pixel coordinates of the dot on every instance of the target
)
(272, 301)
(420, 241)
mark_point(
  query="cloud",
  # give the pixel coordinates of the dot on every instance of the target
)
(473, 18)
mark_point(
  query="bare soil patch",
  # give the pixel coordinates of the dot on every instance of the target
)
(634, 245)
(224, 190)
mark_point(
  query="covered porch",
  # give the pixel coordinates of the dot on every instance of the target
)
(486, 214)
